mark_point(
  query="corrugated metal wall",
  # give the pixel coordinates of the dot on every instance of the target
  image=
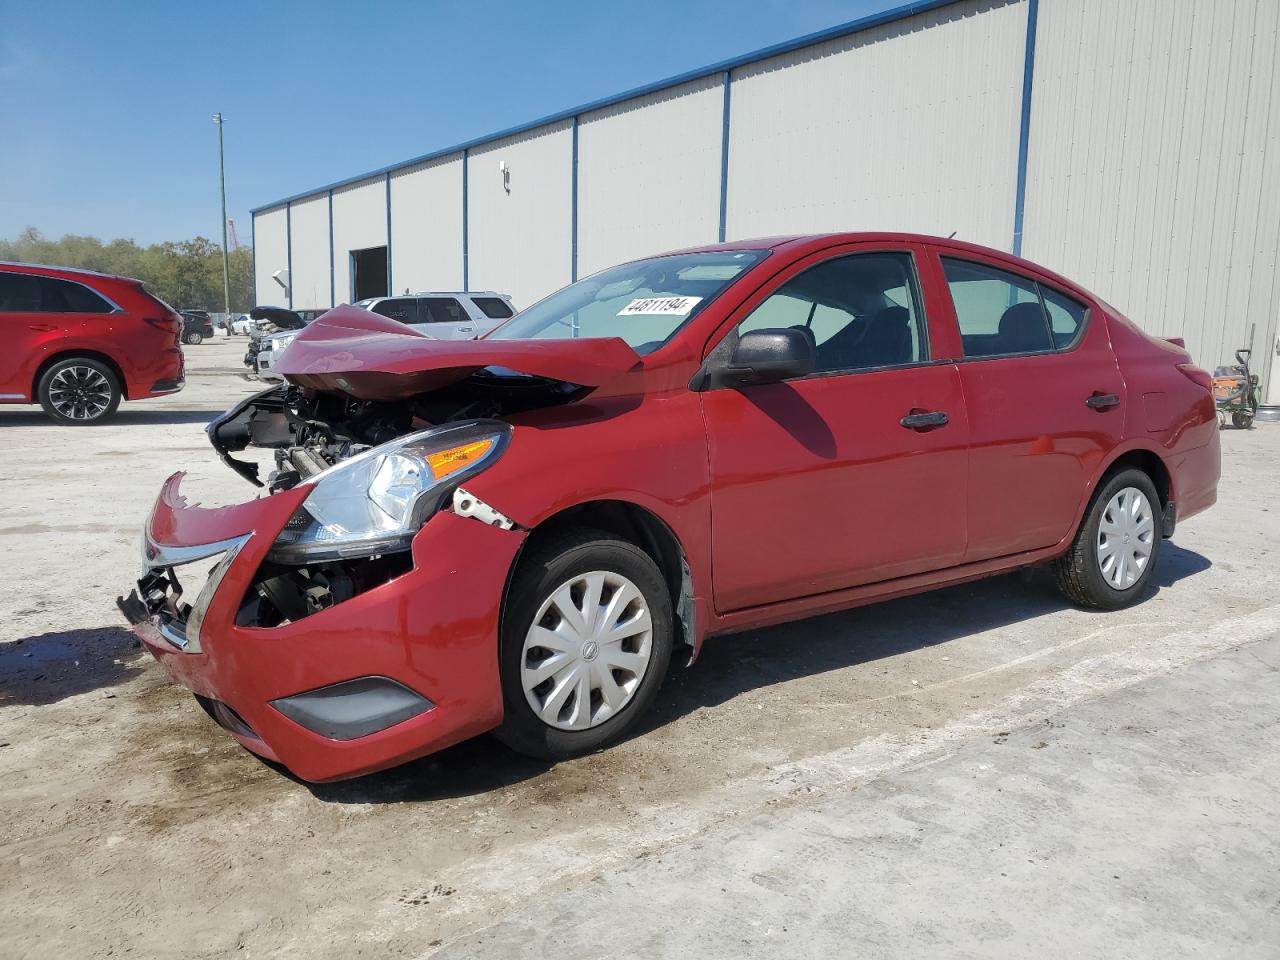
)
(649, 175)
(1154, 165)
(309, 239)
(912, 125)
(520, 241)
(426, 226)
(359, 222)
(1153, 173)
(270, 253)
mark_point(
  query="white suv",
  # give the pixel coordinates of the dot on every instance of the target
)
(445, 315)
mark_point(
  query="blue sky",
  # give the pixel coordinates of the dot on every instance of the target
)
(105, 107)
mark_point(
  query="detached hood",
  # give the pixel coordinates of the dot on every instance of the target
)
(372, 357)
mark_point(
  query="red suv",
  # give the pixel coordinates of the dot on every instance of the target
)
(79, 342)
(518, 533)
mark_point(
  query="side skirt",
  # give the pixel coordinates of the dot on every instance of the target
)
(749, 618)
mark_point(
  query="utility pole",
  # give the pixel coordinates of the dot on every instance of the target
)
(222, 189)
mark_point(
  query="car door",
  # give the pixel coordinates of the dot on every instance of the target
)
(855, 473)
(28, 332)
(446, 319)
(1045, 398)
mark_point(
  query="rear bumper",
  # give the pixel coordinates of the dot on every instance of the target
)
(162, 376)
(432, 630)
(1195, 474)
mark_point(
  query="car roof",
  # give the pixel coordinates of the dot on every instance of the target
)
(800, 244)
(49, 270)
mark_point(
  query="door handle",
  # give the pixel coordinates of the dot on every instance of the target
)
(465, 329)
(42, 327)
(924, 421)
(1103, 401)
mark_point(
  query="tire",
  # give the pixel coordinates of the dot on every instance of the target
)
(1242, 419)
(79, 392)
(1083, 574)
(193, 338)
(621, 677)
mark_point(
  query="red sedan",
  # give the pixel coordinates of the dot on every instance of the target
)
(518, 534)
(78, 342)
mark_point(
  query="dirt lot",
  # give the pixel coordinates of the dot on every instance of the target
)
(131, 825)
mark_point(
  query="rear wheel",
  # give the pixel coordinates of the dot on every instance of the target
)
(1242, 419)
(1117, 545)
(79, 391)
(586, 639)
(193, 338)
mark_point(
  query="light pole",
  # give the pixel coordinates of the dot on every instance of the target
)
(222, 189)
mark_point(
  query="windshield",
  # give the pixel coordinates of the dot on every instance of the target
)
(644, 303)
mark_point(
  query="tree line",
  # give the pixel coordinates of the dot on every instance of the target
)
(186, 274)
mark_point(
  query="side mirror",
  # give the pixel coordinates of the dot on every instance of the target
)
(769, 356)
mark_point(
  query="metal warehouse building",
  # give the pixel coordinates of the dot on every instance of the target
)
(1133, 145)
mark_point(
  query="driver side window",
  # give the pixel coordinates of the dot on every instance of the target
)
(862, 312)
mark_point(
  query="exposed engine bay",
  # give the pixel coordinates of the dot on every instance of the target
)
(311, 431)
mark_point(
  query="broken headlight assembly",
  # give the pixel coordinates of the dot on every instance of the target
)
(373, 503)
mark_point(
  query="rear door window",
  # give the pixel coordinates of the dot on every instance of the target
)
(495, 308)
(21, 293)
(442, 310)
(403, 309)
(1004, 314)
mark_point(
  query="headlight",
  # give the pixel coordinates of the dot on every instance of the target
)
(376, 501)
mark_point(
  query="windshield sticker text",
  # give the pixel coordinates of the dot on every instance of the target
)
(664, 306)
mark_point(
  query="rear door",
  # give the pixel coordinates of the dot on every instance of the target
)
(84, 312)
(834, 480)
(28, 332)
(1045, 400)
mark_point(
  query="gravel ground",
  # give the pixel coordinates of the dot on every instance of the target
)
(132, 825)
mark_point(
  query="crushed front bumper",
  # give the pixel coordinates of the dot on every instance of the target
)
(422, 648)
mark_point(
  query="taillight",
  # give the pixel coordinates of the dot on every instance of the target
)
(1196, 375)
(170, 323)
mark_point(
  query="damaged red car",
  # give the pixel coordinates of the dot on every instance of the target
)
(518, 534)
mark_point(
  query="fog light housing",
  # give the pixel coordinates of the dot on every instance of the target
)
(353, 708)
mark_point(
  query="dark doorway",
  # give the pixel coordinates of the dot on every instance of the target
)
(368, 273)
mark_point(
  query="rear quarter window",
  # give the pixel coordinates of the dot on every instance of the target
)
(75, 297)
(494, 308)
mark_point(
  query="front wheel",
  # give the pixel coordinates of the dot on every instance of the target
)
(586, 639)
(1117, 545)
(79, 391)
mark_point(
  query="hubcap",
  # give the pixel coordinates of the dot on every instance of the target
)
(587, 651)
(1126, 535)
(80, 393)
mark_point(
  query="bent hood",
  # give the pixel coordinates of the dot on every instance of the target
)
(372, 357)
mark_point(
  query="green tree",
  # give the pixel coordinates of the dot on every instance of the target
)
(184, 273)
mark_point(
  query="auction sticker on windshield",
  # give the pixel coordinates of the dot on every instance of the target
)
(664, 306)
